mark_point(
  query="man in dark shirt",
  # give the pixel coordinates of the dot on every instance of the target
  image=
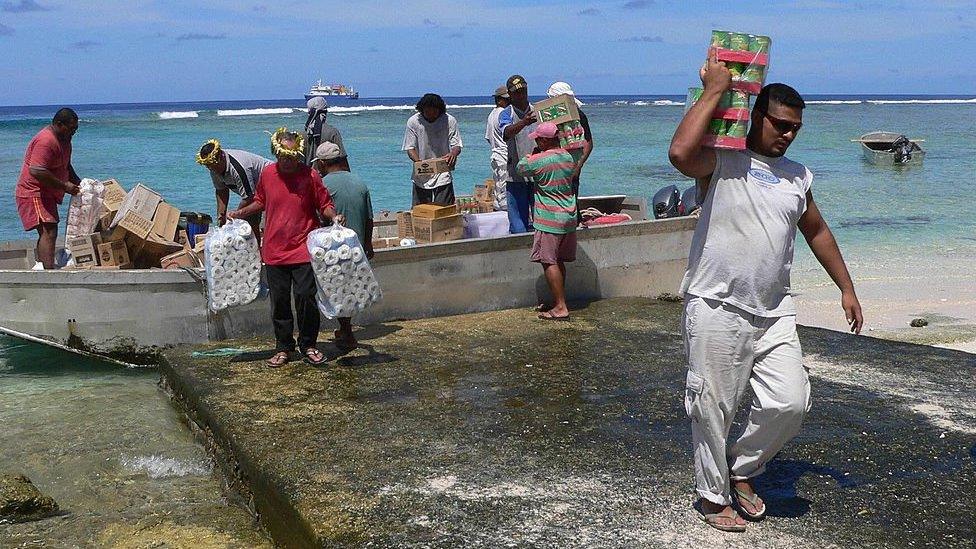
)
(318, 131)
(580, 155)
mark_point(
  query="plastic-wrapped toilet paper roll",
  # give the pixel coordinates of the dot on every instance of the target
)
(362, 296)
(318, 254)
(339, 281)
(227, 241)
(244, 230)
(356, 254)
(345, 252)
(333, 270)
(232, 299)
(348, 269)
(372, 288)
(349, 302)
(331, 257)
(217, 271)
(335, 300)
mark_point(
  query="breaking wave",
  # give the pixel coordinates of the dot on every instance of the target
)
(834, 102)
(922, 101)
(169, 115)
(250, 112)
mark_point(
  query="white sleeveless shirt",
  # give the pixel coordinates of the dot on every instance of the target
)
(742, 249)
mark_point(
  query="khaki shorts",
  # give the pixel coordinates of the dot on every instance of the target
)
(550, 249)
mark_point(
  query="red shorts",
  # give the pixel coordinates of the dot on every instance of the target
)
(549, 248)
(35, 210)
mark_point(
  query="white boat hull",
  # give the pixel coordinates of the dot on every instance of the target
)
(131, 315)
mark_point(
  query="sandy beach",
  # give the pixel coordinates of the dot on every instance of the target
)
(938, 289)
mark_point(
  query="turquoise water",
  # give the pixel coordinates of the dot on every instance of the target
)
(870, 208)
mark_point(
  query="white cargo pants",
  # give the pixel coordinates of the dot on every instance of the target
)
(726, 349)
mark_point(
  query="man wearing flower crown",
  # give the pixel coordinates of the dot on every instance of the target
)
(292, 196)
(233, 170)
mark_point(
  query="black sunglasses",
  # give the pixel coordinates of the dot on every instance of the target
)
(782, 126)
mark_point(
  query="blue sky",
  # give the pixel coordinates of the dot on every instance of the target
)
(60, 51)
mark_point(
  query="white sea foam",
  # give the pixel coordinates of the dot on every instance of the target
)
(369, 108)
(163, 467)
(834, 102)
(169, 115)
(655, 103)
(251, 112)
(922, 101)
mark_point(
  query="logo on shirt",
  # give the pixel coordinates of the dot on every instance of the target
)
(764, 176)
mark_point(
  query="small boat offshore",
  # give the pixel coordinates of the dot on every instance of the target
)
(890, 149)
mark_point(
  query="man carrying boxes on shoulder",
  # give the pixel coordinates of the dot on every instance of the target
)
(739, 322)
(233, 170)
(292, 196)
(554, 214)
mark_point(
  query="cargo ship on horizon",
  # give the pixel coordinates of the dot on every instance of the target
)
(333, 93)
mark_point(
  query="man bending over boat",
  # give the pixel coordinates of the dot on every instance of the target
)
(739, 322)
(233, 170)
(554, 215)
(291, 195)
(45, 177)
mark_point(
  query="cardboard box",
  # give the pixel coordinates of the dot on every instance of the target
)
(147, 253)
(441, 229)
(84, 249)
(142, 201)
(182, 239)
(431, 167)
(486, 207)
(165, 221)
(380, 243)
(135, 224)
(482, 193)
(199, 240)
(105, 221)
(404, 225)
(114, 254)
(183, 258)
(114, 196)
(432, 211)
(557, 110)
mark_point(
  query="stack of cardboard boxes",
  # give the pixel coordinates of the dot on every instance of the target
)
(137, 231)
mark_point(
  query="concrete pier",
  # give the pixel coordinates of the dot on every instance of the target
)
(499, 430)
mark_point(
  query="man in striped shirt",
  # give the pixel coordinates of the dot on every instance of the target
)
(554, 214)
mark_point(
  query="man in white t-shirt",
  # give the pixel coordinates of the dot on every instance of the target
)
(739, 322)
(499, 148)
(432, 133)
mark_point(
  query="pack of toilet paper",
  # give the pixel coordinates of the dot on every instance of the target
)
(345, 280)
(233, 265)
(85, 208)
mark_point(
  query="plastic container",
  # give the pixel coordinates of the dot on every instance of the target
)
(197, 223)
(232, 262)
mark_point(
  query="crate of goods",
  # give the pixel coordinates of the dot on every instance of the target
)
(404, 224)
(114, 195)
(182, 259)
(485, 225)
(730, 121)
(745, 55)
(432, 211)
(381, 243)
(571, 135)
(114, 254)
(558, 110)
(484, 193)
(137, 211)
(441, 229)
(466, 204)
(84, 249)
(486, 207)
(431, 166)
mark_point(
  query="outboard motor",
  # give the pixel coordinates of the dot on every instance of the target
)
(689, 199)
(902, 148)
(666, 202)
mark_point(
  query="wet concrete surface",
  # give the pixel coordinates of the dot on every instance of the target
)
(500, 430)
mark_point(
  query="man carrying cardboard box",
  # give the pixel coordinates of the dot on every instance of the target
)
(233, 170)
(45, 177)
(516, 122)
(291, 194)
(581, 155)
(431, 134)
(554, 218)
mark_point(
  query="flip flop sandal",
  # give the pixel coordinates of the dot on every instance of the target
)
(278, 360)
(549, 316)
(712, 519)
(308, 356)
(751, 500)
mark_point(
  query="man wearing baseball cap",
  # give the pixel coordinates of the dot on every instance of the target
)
(515, 123)
(554, 217)
(355, 211)
(499, 149)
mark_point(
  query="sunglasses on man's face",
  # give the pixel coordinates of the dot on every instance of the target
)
(783, 126)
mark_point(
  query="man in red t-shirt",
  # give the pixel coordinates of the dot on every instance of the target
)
(291, 195)
(44, 179)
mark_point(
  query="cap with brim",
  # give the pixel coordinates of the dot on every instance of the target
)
(516, 82)
(327, 151)
(501, 91)
(546, 130)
